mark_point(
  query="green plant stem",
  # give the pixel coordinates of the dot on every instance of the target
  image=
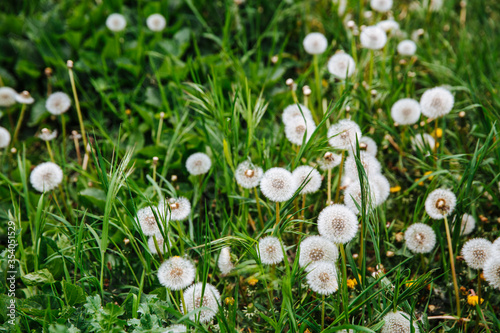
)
(158, 250)
(329, 194)
(370, 72)
(63, 125)
(18, 126)
(158, 135)
(345, 295)
(50, 151)
(258, 207)
(78, 110)
(277, 216)
(319, 107)
(452, 264)
(340, 177)
(183, 302)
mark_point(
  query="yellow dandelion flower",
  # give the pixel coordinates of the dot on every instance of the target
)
(428, 173)
(252, 281)
(437, 133)
(351, 283)
(473, 300)
(229, 300)
(395, 189)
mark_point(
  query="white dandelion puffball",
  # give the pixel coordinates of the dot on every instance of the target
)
(322, 278)
(436, 5)
(116, 22)
(58, 103)
(496, 246)
(269, 250)
(4, 137)
(467, 225)
(353, 196)
(176, 273)
(423, 142)
(491, 271)
(46, 177)
(198, 164)
(198, 296)
(315, 249)
(370, 146)
(407, 47)
(371, 165)
(337, 223)
(329, 161)
(175, 209)
(7, 96)
(293, 111)
(406, 111)
(278, 185)
(388, 25)
(297, 128)
(436, 102)
(161, 244)
(440, 203)
(308, 177)
(176, 329)
(381, 6)
(248, 175)
(147, 221)
(315, 43)
(476, 251)
(224, 263)
(382, 188)
(398, 322)
(373, 38)
(341, 65)
(156, 22)
(24, 98)
(47, 135)
(420, 238)
(342, 135)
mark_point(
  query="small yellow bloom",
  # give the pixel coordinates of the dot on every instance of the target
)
(409, 284)
(472, 300)
(324, 83)
(252, 281)
(229, 300)
(437, 133)
(351, 283)
(395, 189)
(428, 173)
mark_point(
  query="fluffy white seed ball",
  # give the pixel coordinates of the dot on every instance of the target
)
(370, 164)
(278, 185)
(381, 6)
(46, 177)
(156, 22)
(58, 103)
(147, 221)
(322, 278)
(329, 161)
(7, 96)
(198, 164)
(476, 251)
(406, 111)
(496, 246)
(337, 223)
(468, 223)
(294, 110)
(176, 329)
(315, 249)
(24, 98)
(373, 38)
(198, 296)
(175, 209)
(398, 322)
(341, 65)
(315, 43)
(382, 188)
(308, 177)
(407, 47)
(116, 22)
(353, 196)
(248, 175)
(298, 128)
(420, 238)
(161, 244)
(4, 137)
(370, 145)
(269, 250)
(491, 271)
(440, 203)
(176, 273)
(423, 142)
(436, 102)
(224, 263)
(388, 25)
(343, 134)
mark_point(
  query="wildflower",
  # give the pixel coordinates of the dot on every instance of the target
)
(388, 25)
(24, 98)
(473, 300)
(343, 134)
(337, 223)
(423, 142)
(278, 185)
(296, 110)
(370, 164)
(308, 177)
(229, 300)
(373, 38)
(269, 250)
(353, 196)
(407, 47)
(175, 209)
(47, 135)
(200, 295)
(58, 103)
(147, 221)
(491, 271)
(315, 43)
(438, 133)
(46, 177)
(399, 322)
(382, 188)
(352, 283)
(161, 244)
(395, 189)
(198, 164)
(370, 145)
(252, 281)
(224, 263)
(381, 6)
(7, 96)
(476, 251)
(116, 22)
(176, 273)
(420, 238)
(341, 65)
(315, 249)
(329, 161)
(440, 203)
(247, 175)
(176, 329)
(322, 278)
(4, 137)
(156, 22)
(467, 225)
(436, 102)
(297, 128)
(406, 111)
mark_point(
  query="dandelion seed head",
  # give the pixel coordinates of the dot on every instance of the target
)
(373, 38)
(224, 263)
(176, 273)
(248, 175)
(7, 96)
(496, 246)
(176, 329)
(382, 188)
(297, 128)
(46, 177)
(194, 300)
(315, 43)
(4, 137)
(406, 111)
(292, 112)
(24, 98)
(58, 103)
(440, 203)
(371, 146)
(269, 250)
(156, 22)
(161, 244)
(341, 65)
(47, 135)
(342, 135)
(278, 185)
(381, 6)
(371, 165)
(198, 164)
(476, 251)
(423, 142)
(467, 225)
(420, 238)
(147, 221)
(388, 25)
(175, 209)
(353, 196)
(407, 47)
(436, 102)
(329, 161)
(322, 278)
(491, 271)
(337, 223)
(315, 249)
(398, 322)
(309, 176)
(116, 22)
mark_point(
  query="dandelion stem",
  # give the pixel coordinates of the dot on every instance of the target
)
(318, 87)
(340, 177)
(345, 296)
(63, 125)
(50, 151)
(160, 125)
(323, 313)
(329, 194)
(277, 216)
(183, 302)
(157, 247)
(258, 207)
(19, 122)
(370, 72)
(77, 104)
(452, 264)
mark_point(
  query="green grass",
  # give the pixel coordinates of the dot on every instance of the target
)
(218, 73)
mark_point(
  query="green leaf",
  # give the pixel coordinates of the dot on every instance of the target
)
(74, 294)
(38, 278)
